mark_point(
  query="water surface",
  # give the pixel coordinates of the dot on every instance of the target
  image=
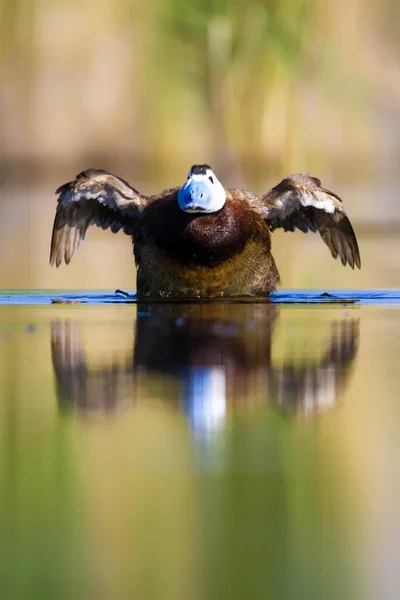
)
(199, 450)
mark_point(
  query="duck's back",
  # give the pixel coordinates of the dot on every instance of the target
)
(220, 254)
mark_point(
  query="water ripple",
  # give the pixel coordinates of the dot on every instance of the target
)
(16, 297)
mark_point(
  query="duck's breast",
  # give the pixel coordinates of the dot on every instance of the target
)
(210, 254)
(202, 239)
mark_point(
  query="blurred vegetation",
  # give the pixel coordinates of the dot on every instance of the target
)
(258, 89)
(279, 85)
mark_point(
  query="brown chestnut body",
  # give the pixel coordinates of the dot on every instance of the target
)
(221, 254)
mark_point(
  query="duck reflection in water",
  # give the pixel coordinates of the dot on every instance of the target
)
(210, 358)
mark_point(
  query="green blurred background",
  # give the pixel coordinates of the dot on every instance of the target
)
(259, 89)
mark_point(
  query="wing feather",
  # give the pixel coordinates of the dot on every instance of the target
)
(299, 202)
(95, 197)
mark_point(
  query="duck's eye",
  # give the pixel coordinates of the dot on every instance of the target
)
(211, 179)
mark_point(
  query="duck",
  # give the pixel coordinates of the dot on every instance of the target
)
(200, 239)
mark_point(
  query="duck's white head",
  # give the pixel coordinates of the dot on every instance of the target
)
(202, 192)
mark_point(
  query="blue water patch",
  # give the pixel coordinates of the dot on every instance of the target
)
(336, 296)
(16, 297)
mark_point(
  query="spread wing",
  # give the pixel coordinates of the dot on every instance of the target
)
(299, 201)
(95, 197)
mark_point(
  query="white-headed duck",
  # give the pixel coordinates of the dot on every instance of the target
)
(201, 240)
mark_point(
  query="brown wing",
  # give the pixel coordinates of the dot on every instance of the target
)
(95, 197)
(300, 202)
